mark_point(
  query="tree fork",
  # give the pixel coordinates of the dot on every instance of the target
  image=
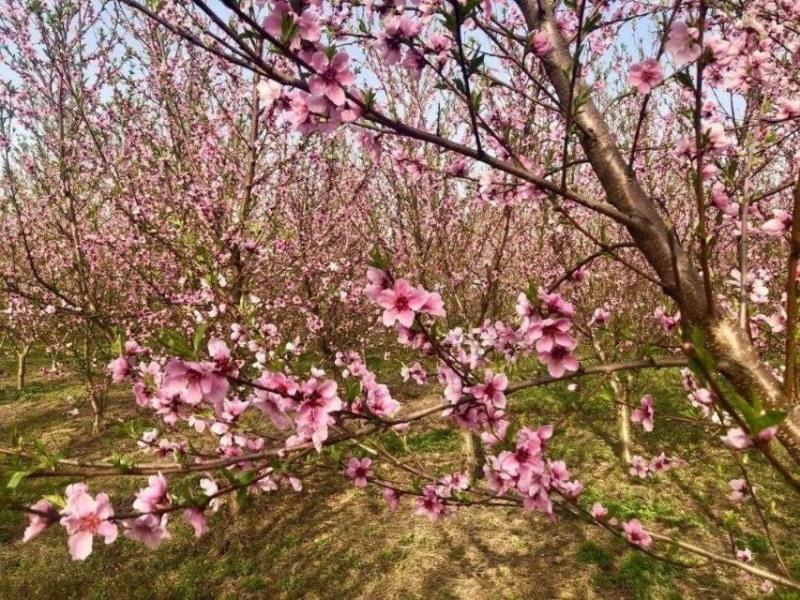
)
(727, 343)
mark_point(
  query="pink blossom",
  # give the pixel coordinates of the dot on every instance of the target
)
(401, 302)
(196, 518)
(555, 305)
(194, 382)
(319, 399)
(268, 91)
(703, 399)
(84, 517)
(668, 322)
(414, 62)
(440, 45)
(639, 467)
(718, 140)
(540, 43)
(598, 511)
(558, 360)
(148, 529)
(379, 399)
(681, 43)
(390, 40)
(132, 348)
(40, 520)
(645, 413)
(745, 555)
(331, 77)
(433, 305)
(721, 200)
(740, 491)
(636, 533)
(765, 435)
(152, 497)
(220, 354)
(491, 389)
(430, 504)
(415, 372)
(392, 498)
(737, 438)
(169, 408)
(646, 75)
(663, 463)
(276, 397)
(306, 25)
(778, 225)
(600, 317)
(378, 281)
(119, 368)
(788, 109)
(549, 333)
(359, 470)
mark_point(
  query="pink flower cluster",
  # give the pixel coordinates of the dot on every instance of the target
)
(525, 472)
(645, 414)
(549, 333)
(477, 408)
(682, 43)
(400, 300)
(433, 501)
(83, 517)
(640, 467)
(375, 396)
(646, 75)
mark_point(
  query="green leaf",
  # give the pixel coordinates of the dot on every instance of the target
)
(16, 479)
(352, 389)
(199, 334)
(593, 23)
(230, 476)
(122, 462)
(116, 346)
(376, 259)
(684, 79)
(476, 62)
(766, 420)
(175, 343)
(57, 500)
(475, 101)
(700, 352)
(288, 28)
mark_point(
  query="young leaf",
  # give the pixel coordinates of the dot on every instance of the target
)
(16, 478)
(199, 334)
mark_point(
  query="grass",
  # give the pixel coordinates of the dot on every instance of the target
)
(333, 541)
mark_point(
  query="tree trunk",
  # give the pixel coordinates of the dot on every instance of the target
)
(472, 448)
(22, 365)
(655, 239)
(621, 400)
(97, 400)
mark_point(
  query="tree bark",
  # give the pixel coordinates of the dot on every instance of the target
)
(655, 239)
(97, 400)
(22, 365)
(474, 458)
(621, 399)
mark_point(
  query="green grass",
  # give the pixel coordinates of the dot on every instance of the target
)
(644, 578)
(333, 541)
(590, 553)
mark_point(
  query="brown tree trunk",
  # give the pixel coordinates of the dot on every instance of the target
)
(97, 400)
(678, 276)
(472, 448)
(621, 400)
(22, 365)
